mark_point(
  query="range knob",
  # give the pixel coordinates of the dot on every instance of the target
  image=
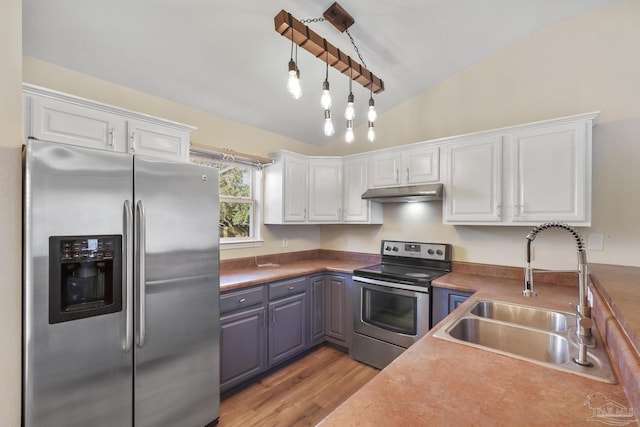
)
(439, 252)
(430, 251)
(395, 249)
(387, 248)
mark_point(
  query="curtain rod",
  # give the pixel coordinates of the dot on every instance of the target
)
(229, 154)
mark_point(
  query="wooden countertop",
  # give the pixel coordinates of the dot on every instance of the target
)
(443, 383)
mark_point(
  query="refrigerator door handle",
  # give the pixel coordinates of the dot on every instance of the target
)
(142, 218)
(128, 275)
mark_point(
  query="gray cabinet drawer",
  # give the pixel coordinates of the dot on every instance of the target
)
(288, 287)
(235, 300)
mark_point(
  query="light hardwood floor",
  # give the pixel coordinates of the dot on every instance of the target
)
(300, 394)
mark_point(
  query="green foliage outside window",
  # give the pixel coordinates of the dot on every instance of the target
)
(235, 202)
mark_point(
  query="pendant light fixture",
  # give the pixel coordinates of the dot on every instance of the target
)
(325, 99)
(349, 112)
(300, 34)
(293, 83)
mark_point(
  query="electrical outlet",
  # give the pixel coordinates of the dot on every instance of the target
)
(285, 242)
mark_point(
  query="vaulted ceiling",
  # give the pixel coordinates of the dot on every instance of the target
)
(225, 57)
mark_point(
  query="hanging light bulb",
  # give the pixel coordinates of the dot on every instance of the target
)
(371, 134)
(371, 114)
(349, 136)
(349, 112)
(293, 83)
(328, 124)
(325, 99)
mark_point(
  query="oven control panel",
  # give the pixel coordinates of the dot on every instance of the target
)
(435, 251)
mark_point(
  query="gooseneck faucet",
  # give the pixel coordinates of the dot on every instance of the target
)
(584, 322)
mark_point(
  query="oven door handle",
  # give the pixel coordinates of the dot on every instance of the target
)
(392, 285)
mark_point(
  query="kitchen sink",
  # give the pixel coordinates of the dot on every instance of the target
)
(537, 335)
(527, 316)
(529, 343)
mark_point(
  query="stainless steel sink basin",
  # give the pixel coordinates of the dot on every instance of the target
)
(537, 335)
(529, 343)
(527, 316)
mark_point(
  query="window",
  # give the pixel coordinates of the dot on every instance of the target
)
(239, 201)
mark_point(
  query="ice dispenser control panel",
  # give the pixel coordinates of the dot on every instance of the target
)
(85, 277)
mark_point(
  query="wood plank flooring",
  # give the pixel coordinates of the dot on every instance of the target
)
(300, 394)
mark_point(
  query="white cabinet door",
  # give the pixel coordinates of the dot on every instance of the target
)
(473, 181)
(157, 141)
(58, 121)
(355, 209)
(550, 173)
(421, 165)
(404, 167)
(325, 190)
(295, 189)
(384, 169)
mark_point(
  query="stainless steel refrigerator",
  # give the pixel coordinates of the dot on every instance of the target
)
(121, 290)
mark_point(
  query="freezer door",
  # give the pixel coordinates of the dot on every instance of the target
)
(77, 371)
(177, 300)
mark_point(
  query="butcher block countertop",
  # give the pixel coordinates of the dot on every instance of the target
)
(438, 382)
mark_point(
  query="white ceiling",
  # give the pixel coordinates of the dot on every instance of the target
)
(225, 57)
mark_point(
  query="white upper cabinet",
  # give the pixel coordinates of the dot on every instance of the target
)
(355, 209)
(60, 121)
(58, 117)
(473, 183)
(303, 190)
(404, 167)
(157, 140)
(325, 189)
(523, 175)
(551, 173)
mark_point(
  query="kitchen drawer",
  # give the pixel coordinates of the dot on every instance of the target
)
(230, 301)
(288, 287)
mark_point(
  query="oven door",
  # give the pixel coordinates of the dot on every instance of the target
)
(384, 312)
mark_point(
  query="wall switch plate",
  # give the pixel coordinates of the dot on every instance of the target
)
(285, 242)
(595, 242)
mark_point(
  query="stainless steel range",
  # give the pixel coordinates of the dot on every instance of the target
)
(392, 299)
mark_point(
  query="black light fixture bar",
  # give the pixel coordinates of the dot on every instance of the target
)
(306, 38)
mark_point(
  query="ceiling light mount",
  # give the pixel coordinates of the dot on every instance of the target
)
(338, 17)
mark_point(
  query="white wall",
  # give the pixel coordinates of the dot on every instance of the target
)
(583, 64)
(10, 211)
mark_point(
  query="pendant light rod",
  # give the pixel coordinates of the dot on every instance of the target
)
(306, 38)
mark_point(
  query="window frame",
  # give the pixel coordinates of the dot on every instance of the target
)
(255, 199)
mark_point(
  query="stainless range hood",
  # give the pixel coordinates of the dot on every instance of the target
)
(410, 193)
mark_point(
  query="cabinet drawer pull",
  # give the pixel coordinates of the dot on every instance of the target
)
(291, 288)
(241, 300)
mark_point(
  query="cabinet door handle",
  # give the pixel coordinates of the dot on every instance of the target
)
(262, 319)
(241, 300)
(131, 142)
(112, 138)
(498, 213)
(397, 175)
(407, 174)
(273, 314)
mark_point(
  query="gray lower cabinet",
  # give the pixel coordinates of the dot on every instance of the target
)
(243, 336)
(266, 325)
(288, 334)
(317, 309)
(339, 309)
(445, 301)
